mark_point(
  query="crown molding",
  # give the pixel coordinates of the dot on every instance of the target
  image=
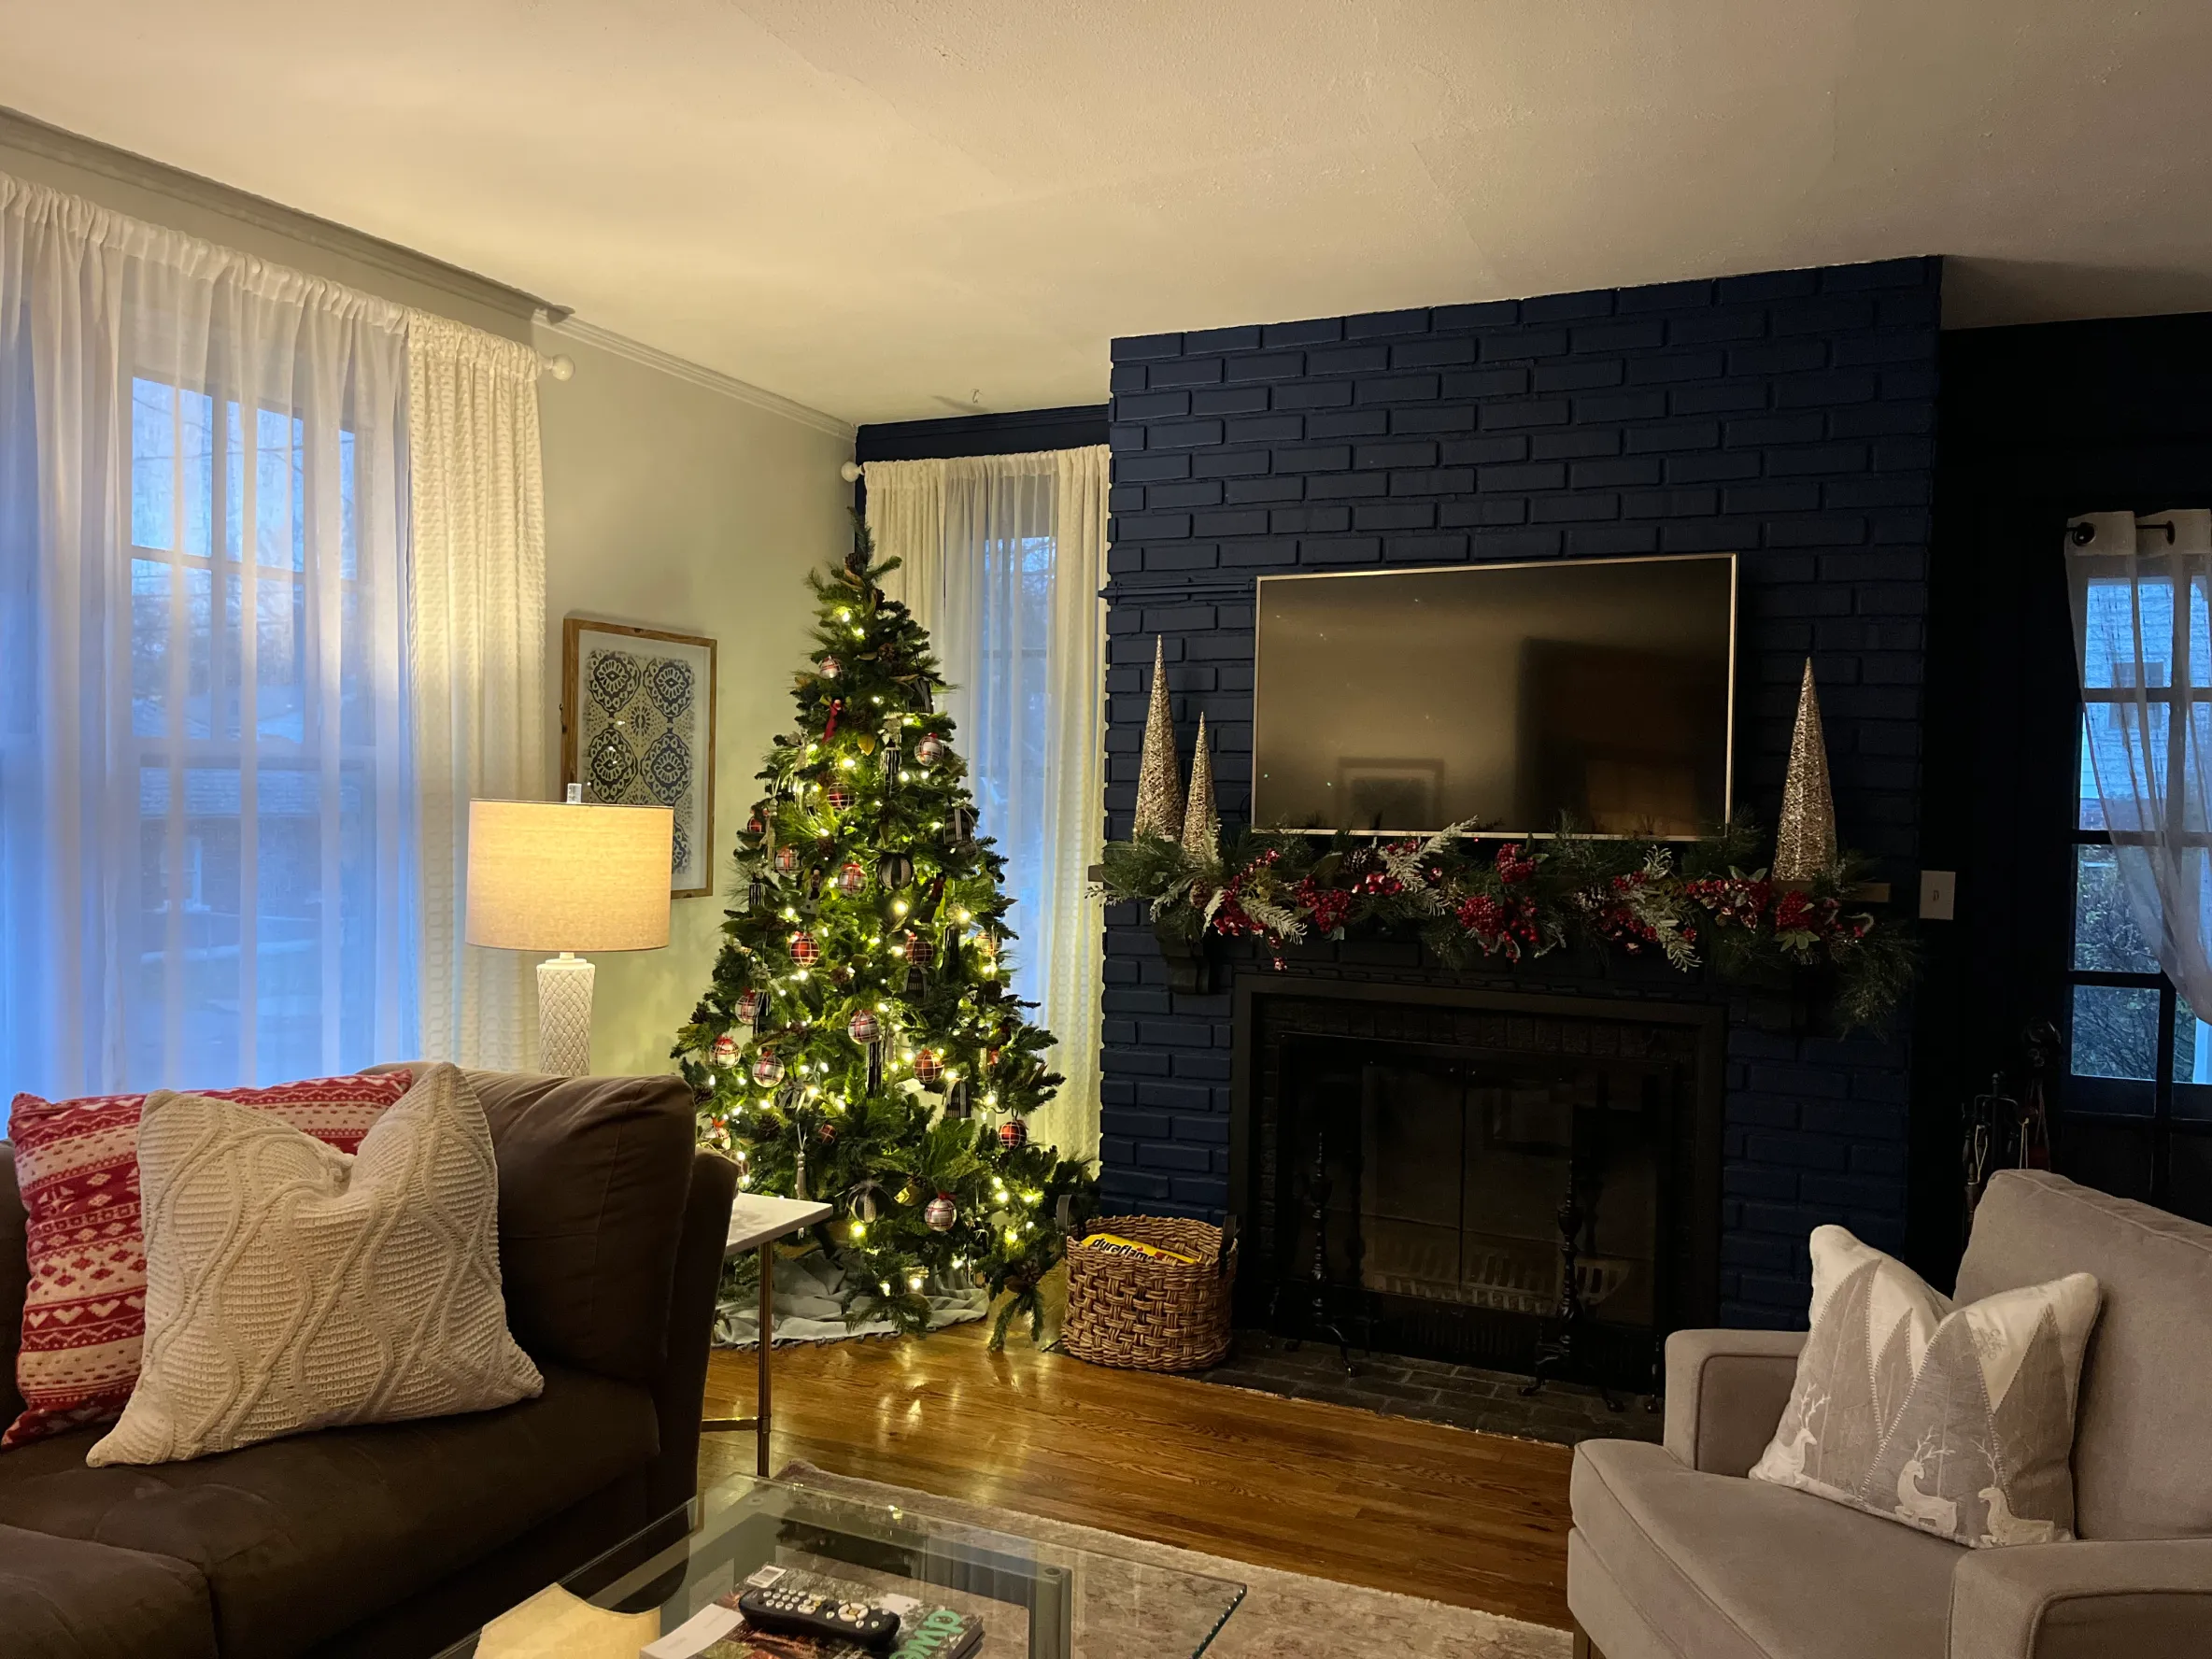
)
(73, 149)
(682, 368)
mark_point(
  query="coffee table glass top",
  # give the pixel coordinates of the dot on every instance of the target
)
(1033, 1600)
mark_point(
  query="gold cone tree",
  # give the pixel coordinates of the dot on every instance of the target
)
(1160, 778)
(1202, 822)
(1805, 838)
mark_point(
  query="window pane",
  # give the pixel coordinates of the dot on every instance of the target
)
(2105, 937)
(2123, 762)
(2115, 1031)
(2128, 635)
(153, 464)
(149, 647)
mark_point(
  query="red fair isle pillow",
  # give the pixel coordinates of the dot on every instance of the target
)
(76, 1162)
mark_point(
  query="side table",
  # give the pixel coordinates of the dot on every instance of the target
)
(757, 1221)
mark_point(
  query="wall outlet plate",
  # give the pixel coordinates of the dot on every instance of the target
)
(1939, 895)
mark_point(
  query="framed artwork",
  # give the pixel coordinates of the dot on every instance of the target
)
(637, 729)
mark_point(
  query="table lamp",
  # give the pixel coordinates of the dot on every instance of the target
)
(568, 877)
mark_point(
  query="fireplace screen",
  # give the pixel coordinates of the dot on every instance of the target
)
(1424, 1179)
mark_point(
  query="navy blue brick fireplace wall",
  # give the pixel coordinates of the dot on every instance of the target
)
(1789, 418)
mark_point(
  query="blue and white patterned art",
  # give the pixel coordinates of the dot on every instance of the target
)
(645, 734)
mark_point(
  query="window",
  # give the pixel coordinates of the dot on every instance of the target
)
(2136, 1049)
(255, 737)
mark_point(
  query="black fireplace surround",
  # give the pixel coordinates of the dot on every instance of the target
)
(1420, 1170)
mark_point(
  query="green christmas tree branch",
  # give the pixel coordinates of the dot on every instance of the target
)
(859, 1042)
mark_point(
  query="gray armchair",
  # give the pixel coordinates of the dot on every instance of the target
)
(1674, 1554)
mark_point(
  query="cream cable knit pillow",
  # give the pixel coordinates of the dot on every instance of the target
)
(291, 1287)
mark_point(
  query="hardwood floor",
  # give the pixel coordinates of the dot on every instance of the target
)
(1472, 1518)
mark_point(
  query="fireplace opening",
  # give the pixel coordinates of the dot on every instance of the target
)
(1428, 1177)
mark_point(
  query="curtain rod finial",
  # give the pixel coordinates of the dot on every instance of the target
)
(850, 472)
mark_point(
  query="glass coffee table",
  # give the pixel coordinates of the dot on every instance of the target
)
(1032, 1599)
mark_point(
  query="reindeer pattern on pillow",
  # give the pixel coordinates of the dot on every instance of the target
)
(1955, 1420)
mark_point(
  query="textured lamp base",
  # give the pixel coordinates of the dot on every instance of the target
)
(565, 1015)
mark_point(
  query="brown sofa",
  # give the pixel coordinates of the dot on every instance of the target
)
(1675, 1556)
(401, 1538)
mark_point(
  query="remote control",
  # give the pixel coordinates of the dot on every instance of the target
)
(817, 1615)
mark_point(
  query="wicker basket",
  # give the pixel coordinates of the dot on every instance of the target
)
(1147, 1314)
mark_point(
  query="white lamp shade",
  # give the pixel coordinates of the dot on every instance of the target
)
(548, 877)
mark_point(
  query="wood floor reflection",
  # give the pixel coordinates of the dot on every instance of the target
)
(1472, 1518)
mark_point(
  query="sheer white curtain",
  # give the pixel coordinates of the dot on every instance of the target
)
(2142, 594)
(1005, 557)
(205, 851)
(477, 648)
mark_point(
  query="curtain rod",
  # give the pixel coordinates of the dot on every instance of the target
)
(74, 149)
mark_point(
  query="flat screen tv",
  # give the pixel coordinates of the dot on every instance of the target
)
(1597, 692)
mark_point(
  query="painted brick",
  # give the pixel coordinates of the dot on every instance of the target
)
(1787, 417)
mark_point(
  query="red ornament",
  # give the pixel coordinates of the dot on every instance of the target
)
(926, 1066)
(805, 951)
(919, 951)
(725, 1050)
(755, 824)
(839, 797)
(990, 1058)
(1013, 1134)
(787, 858)
(941, 1212)
(749, 1006)
(865, 1028)
(831, 667)
(929, 750)
(827, 1131)
(767, 1070)
(852, 878)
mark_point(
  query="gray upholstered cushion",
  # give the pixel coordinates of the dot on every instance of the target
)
(1728, 1568)
(2140, 1444)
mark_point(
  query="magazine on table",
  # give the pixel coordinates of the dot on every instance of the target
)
(924, 1631)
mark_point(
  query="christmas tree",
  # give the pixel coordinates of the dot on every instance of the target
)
(859, 1045)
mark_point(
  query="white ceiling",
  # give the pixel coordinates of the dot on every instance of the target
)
(895, 209)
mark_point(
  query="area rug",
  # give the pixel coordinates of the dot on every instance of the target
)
(1283, 1616)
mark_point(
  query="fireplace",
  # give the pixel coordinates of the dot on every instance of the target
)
(1426, 1170)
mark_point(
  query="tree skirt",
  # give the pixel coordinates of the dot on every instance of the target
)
(807, 1308)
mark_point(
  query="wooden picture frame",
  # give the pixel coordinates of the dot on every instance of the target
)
(637, 731)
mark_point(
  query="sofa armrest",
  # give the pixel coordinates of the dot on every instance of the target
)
(1725, 1393)
(680, 1391)
(2145, 1598)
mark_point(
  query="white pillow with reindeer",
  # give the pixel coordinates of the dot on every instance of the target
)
(1956, 1420)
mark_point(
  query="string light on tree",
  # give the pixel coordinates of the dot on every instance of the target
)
(874, 910)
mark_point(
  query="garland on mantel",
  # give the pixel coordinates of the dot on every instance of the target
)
(1473, 901)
